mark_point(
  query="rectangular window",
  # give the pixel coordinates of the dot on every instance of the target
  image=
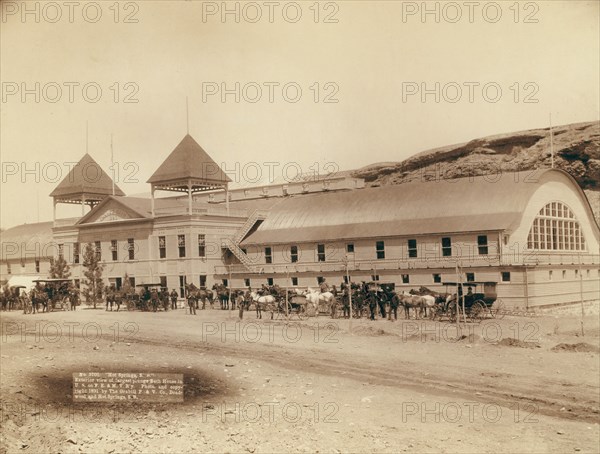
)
(203, 281)
(113, 250)
(98, 248)
(75, 252)
(162, 247)
(405, 279)
(550, 275)
(446, 247)
(350, 248)
(564, 274)
(437, 278)
(163, 282)
(375, 277)
(268, 255)
(131, 248)
(470, 277)
(201, 245)
(294, 281)
(482, 244)
(412, 248)
(8, 270)
(320, 279)
(269, 281)
(119, 283)
(182, 286)
(505, 276)
(225, 282)
(294, 254)
(181, 245)
(380, 250)
(320, 252)
(37, 267)
(247, 282)
(346, 279)
(132, 282)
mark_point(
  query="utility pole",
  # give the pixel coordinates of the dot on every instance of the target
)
(349, 294)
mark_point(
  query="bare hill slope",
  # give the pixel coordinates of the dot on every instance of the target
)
(576, 150)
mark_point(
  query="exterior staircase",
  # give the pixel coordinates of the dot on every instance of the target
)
(257, 215)
(233, 243)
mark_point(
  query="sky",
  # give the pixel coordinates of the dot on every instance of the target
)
(276, 88)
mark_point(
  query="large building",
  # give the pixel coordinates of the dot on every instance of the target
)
(530, 237)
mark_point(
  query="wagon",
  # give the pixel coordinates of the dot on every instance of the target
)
(57, 291)
(480, 301)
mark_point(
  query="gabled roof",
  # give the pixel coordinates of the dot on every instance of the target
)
(86, 177)
(474, 204)
(189, 161)
(123, 207)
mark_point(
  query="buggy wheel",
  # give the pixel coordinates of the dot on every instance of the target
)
(498, 309)
(478, 311)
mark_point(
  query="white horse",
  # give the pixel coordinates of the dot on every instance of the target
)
(315, 297)
(263, 302)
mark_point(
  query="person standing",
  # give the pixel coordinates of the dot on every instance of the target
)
(173, 299)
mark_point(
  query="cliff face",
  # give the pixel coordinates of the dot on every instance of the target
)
(576, 150)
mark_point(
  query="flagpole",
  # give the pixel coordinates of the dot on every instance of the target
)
(551, 143)
(112, 164)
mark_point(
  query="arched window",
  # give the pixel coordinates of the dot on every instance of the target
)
(556, 229)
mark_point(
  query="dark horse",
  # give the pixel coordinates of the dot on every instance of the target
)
(222, 295)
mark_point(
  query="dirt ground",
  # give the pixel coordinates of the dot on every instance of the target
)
(263, 386)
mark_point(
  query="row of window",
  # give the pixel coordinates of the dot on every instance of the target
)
(9, 269)
(577, 274)
(114, 248)
(162, 246)
(412, 246)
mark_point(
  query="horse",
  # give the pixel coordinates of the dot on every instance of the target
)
(410, 301)
(200, 294)
(39, 297)
(263, 302)
(222, 294)
(315, 297)
(429, 300)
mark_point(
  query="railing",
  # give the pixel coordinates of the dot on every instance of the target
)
(355, 265)
(210, 211)
(237, 251)
(404, 265)
(256, 216)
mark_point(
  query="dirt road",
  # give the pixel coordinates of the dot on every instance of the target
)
(305, 386)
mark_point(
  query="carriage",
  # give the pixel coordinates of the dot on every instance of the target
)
(58, 291)
(480, 301)
(142, 300)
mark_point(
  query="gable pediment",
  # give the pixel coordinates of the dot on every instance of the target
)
(112, 211)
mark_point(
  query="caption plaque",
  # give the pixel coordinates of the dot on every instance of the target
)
(127, 387)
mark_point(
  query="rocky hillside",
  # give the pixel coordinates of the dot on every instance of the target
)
(576, 150)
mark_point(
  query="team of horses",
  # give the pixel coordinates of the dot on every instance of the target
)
(41, 298)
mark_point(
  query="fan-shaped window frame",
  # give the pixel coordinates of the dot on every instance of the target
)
(555, 228)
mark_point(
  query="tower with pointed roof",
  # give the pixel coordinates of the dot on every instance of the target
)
(189, 169)
(85, 184)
